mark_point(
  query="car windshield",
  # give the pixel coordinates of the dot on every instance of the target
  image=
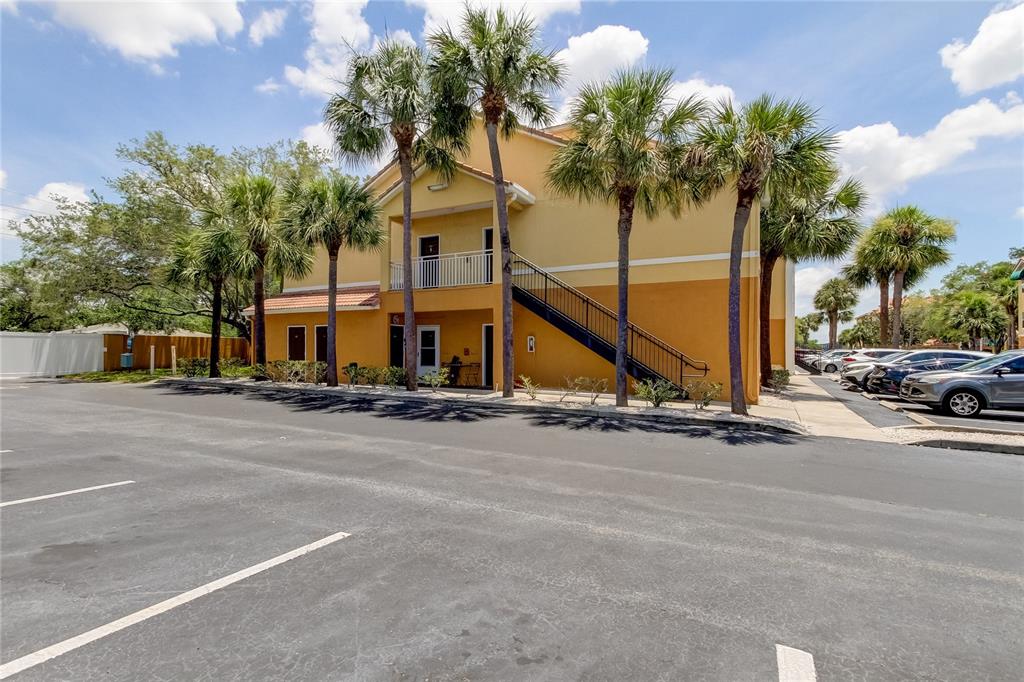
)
(894, 356)
(985, 363)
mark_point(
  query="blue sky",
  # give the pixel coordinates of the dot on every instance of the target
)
(926, 96)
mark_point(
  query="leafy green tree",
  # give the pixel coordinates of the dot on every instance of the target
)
(767, 143)
(836, 299)
(629, 138)
(990, 278)
(798, 226)
(979, 315)
(386, 100)
(864, 332)
(494, 66)
(335, 212)
(806, 325)
(208, 257)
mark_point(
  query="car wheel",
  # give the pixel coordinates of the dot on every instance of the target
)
(830, 367)
(962, 403)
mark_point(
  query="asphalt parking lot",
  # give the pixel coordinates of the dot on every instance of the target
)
(212, 535)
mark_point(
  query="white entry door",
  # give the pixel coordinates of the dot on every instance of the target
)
(428, 349)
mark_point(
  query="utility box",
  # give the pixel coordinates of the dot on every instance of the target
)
(127, 360)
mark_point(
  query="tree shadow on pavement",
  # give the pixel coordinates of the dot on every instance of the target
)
(724, 434)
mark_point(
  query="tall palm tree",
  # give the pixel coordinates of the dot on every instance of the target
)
(866, 270)
(836, 299)
(493, 66)
(767, 143)
(822, 224)
(629, 139)
(978, 314)
(207, 255)
(334, 212)
(906, 240)
(386, 103)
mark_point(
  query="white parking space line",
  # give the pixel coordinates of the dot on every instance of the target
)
(55, 650)
(3, 451)
(66, 492)
(794, 665)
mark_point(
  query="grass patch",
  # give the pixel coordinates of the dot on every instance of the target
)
(137, 376)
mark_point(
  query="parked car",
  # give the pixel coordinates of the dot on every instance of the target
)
(886, 377)
(830, 361)
(856, 373)
(995, 382)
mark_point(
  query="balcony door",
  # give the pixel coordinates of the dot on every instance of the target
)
(429, 263)
(488, 244)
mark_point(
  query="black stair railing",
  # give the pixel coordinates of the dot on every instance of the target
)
(648, 356)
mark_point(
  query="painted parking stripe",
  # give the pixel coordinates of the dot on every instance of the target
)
(794, 665)
(55, 650)
(66, 492)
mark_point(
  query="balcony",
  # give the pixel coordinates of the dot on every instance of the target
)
(447, 270)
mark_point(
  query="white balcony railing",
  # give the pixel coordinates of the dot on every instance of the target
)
(447, 270)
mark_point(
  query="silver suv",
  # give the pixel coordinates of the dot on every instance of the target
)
(995, 383)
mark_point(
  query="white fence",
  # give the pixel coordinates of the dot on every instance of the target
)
(447, 270)
(24, 354)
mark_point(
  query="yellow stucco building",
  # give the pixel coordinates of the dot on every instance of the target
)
(563, 279)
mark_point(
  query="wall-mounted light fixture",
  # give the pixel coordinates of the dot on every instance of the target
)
(531, 344)
(438, 187)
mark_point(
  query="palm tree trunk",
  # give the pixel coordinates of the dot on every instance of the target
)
(409, 326)
(332, 316)
(883, 309)
(626, 204)
(259, 320)
(897, 309)
(833, 329)
(744, 200)
(218, 307)
(507, 367)
(768, 261)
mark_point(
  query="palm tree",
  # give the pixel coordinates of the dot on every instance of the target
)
(977, 314)
(386, 101)
(334, 212)
(492, 65)
(866, 270)
(822, 224)
(629, 137)
(906, 240)
(207, 255)
(836, 299)
(768, 143)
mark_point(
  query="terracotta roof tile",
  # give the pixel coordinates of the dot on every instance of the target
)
(363, 297)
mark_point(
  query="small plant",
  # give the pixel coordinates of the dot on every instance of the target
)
(436, 379)
(572, 387)
(779, 380)
(593, 386)
(353, 372)
(703, 392)
(372, 375)
(394, 376)
(194, 367)
(656, 392)
(296, 371)
(528, 386)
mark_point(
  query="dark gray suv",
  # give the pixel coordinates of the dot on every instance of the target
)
(995, 383)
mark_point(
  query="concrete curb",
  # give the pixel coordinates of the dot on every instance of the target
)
(638, 414)
(1000, 448)
(924, 422)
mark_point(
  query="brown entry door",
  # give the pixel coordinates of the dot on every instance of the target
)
(321, 343)
(296, 343)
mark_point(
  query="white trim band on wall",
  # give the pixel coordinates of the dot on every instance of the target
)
(669, 260)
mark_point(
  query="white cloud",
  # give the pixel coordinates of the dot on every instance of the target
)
(1019, 213)
(9, 6)
(337, 29)
(149, 31)
(268, 87)
(441, 13)
(42, 202)
(712, 92)
(596, 55)
(994, 56)
(267, 25)
(318, 135)
(808, 280)
(885, 159)
(3, 178)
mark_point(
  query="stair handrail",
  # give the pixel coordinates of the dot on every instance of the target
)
(698, 365)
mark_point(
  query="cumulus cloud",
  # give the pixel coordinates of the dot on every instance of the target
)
(994, 56)
(808, 280)
(148, 31)
(886, 160)
(712, 92)
(43, 202)
(1019, 213)
(336, 29)
(267, 25)
(268, 87)
(595, 55)
(318, 135)
(9, 6)
(441, 13)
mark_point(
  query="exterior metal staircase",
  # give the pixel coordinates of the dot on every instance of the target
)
(595, 326)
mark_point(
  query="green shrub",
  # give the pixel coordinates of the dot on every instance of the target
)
(656, 392)
(436, 379)
(194, 367)
(296, 372)
(235, 368)
(394, 376)
(572, 387)
(529, 386)
(779, 380)
(703, 392)
(373, 375)
(594, 387)
(353, 371)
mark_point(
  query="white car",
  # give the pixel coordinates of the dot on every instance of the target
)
(831, 361)
(856, 372)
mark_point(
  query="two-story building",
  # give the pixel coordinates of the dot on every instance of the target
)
(563, 282)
